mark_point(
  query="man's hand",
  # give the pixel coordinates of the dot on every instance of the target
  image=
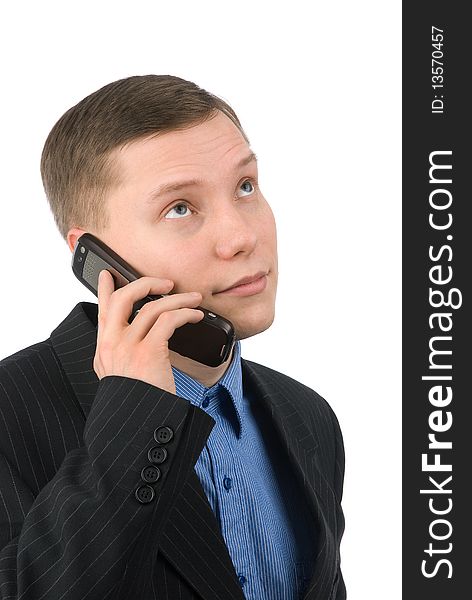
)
(140, 350)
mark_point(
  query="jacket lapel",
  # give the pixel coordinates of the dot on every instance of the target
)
(302, 449)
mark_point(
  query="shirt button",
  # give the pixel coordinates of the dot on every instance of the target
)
(144, 494)
(162, 435)
(205, 402)
(150, 474)
(157, 455)
(228, 483)
(242, 580)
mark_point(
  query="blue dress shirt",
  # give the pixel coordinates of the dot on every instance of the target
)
(251, 489)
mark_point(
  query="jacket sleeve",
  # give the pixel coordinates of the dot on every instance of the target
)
(108, 500)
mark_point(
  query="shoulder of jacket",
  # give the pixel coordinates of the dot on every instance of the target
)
(27, 363)
(285, 381)
(22, 356)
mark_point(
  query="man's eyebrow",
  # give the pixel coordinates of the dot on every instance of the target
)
(165, 188)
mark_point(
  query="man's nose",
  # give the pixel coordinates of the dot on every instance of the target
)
(234, 232)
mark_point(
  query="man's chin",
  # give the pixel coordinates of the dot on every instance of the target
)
(247, 330)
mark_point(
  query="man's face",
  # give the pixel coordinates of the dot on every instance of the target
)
(205, 236)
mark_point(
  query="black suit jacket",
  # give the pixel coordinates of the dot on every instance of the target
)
(72, 451)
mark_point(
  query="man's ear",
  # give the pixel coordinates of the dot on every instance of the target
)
(73, 235)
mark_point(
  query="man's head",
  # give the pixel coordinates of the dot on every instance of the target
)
(105, 164)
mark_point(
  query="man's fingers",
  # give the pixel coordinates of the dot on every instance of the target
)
(150, 312)
(106, 286)
(168, 321)
(123, 299)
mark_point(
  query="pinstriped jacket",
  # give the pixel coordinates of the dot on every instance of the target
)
(72, 453)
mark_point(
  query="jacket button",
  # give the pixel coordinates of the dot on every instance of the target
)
(162, 435)
(150, 474)
(144, 494)
(157, 455)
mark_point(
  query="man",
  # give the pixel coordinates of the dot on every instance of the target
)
(126, 469)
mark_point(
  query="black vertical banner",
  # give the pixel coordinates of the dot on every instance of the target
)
(437, 301)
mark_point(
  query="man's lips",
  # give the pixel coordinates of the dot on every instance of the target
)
(251, 284)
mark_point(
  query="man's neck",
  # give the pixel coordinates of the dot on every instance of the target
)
(204, 374)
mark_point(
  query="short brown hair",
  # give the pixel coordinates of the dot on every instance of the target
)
(75, 164)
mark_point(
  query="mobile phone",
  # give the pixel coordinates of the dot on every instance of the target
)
(210, 341)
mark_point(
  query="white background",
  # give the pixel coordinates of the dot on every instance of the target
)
(316, 86)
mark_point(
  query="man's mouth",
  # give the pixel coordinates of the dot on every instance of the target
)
(247, 286)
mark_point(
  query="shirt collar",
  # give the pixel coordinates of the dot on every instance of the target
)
(228, 389)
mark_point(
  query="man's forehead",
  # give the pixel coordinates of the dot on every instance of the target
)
(173, 186)
(167, 162)
(215, 138)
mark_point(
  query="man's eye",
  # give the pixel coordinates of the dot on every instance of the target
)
(179, 213)
(248, 186)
